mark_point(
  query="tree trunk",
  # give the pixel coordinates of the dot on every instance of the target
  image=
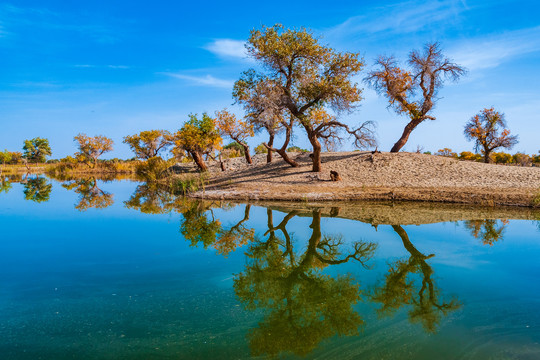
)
(486, 155)
(246, 154)
(286, 158)
(405, 136)
(269, 154)
(221, 163)
(317, 167)
(313, 241)
(283, 150)
(197, 157)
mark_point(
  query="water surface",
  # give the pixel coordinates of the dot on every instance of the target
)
(97, 269)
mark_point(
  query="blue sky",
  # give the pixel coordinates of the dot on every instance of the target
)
(119, 67)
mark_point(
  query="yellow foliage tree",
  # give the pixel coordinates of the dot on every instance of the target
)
(447, 152)
(489, 132)
(236, 129)
(92, 147)
(148, 144)
(198, 137)
(301, 76)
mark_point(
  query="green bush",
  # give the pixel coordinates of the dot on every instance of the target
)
(238, 149)
(185, 185)
(297, 149)
(261, 149)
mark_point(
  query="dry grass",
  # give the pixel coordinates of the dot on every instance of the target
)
(22, 169)
(103, 168)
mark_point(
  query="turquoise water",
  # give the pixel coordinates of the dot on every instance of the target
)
(120, 270)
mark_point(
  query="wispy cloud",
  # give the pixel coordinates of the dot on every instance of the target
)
(90, 66)
(207, 80)
(42, 18)
(228, 48)
(492, 51)
(37, 84)
(118, 67)
(2, 31)
(399, 18)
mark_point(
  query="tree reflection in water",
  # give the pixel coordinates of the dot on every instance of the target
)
(304, 305)
(37, 189)
(5, 184)
(398, 289)
(199, 226)
(151, 198)
(90, 195)
(489, 231)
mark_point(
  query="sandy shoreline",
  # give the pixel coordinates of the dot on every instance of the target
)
(382, 176)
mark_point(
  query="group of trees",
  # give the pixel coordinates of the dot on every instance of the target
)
(518, 158)
(302, 85)
(38, 149)
(35, 150)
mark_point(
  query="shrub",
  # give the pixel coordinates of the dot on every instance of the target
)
(185, 185)
(469, 156)
(521, 159)
(154, 168)
(261, 149)
(297, 149)
(16, 158)
(536, 159)
(446, 152)
(230, 153)
(238, 149)
(501, 158)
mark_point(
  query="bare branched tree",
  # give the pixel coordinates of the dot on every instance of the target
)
(262, 101)
(413, 92)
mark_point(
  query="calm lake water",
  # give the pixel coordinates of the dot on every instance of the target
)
(121, 270)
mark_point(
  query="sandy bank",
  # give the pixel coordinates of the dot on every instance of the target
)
(384, 176)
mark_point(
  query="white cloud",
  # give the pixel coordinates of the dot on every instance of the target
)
(492, 51)
(228, 48)
(118, 66)
(89, 66)
(399, 18)
(207, 80)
